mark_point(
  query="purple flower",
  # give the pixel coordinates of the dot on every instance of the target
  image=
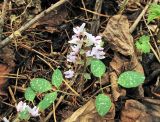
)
(69, 74)
(33, 111)
(72, 57)
(97, 52)
(21, 106)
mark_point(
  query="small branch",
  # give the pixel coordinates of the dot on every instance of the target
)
(96, 18)
(30, 23)
(3, 14)
(132, 28)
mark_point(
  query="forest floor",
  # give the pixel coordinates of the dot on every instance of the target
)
(34, 42)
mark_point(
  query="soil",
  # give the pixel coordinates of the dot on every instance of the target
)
(42, 48)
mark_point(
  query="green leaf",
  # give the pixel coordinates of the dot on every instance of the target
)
(40, 85)
(103, 104)
(143, 44)
(97, 68)
(153, 12)
(29, 94)
(130, 79)
(24, 115)
(47, 101)
(57, 78)
(87, 76)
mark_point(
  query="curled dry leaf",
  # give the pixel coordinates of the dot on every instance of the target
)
(119, 38)
(134, 111)
(88, 113)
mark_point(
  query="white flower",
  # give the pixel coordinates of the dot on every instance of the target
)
(79, 30)
(71, 57)
(69, 73)
(90, 40)
(33, 111)
(97, 41)
(21, 106)
(5, 119)
(75, 40)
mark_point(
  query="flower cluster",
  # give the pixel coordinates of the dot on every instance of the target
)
(80, 38)
(23, 106)
(86, 41)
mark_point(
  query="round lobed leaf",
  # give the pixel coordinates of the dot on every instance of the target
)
(29, 94)
(97, 68)
(57, 78)
(40, 85)
(103, 104)
(24, 115)
(130, 79)
(47, 101)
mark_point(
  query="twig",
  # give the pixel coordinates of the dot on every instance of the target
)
(84, 8)
(107, 16)
(132, 28)
(2, 18)
(31, 22)
(71, 88)
(96, 18)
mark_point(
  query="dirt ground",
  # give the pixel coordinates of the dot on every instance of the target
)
(34, 42)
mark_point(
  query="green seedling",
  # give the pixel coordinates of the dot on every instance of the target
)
(143, 44)
(153, 12)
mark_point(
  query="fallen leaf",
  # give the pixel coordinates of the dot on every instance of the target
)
(53, 19)
(118, 36)
(8, 56)
(134, 111)
(88, 113)
(121, 41)
(3, 71)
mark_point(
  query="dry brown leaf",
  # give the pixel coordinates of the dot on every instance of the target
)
(135, 111)
(121, 41)
(87, 113)
(53, 19)
(8, 56)
(118, 36)
(3, 71)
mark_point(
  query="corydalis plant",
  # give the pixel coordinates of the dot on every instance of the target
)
(85, 45)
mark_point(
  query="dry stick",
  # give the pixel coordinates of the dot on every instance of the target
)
(84, 8)
(2, 18)
(31, 22)
(154, 52)
(132, 28)
(96, 18)
(93, 12)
